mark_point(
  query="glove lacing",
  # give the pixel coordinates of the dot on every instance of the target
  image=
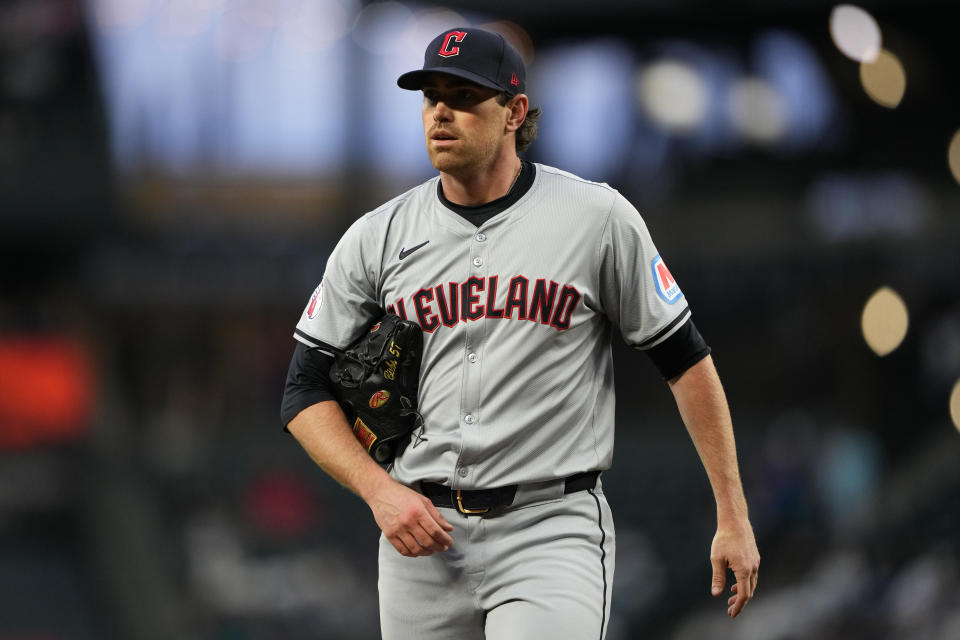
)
(406, 409)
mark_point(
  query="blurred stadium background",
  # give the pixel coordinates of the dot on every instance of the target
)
(174, 173)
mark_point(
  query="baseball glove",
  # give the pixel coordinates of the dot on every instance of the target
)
(376, 380)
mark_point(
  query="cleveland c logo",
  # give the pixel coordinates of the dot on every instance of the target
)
(446, 50)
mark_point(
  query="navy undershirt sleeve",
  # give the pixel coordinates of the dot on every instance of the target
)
(683, 349)
(308, 382)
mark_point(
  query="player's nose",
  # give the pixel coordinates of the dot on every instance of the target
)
(442, 113)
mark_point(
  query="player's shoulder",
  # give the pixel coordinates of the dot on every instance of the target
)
(571, 187)
(573, 181)
(593, 199)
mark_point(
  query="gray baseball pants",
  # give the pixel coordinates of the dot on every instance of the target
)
(543, 569)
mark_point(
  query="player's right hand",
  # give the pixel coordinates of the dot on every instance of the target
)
(410, 522)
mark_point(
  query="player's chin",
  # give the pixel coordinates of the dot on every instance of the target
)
(445, 160)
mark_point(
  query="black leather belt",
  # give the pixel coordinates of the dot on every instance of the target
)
(481, 501)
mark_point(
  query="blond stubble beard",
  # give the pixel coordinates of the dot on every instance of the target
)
(459, 161)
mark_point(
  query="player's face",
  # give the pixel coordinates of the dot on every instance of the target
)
(463, 123)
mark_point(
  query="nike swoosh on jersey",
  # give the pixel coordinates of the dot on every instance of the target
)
(405, 252)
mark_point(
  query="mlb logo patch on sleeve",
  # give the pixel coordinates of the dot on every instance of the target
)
(667, 287)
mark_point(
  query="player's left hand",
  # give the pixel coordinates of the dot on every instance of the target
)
(734, 547)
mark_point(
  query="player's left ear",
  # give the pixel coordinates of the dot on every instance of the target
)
(518, 106)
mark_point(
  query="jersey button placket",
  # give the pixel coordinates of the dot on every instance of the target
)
(480, 237)
(470, 398)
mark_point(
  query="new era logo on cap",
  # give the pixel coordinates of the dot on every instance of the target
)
(479, 56)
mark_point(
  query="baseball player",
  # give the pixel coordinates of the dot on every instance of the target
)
(494, 521)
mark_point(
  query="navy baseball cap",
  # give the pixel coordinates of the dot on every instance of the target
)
(476, 55)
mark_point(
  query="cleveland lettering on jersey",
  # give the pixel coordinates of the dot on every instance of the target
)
(476, 298)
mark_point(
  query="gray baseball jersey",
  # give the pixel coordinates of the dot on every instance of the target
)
(517, 375)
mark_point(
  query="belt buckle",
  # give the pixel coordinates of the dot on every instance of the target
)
(466, 511)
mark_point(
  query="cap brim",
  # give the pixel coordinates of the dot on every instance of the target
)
(413, 80)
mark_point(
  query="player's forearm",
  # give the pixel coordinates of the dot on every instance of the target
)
(323, 432)
(703, 408)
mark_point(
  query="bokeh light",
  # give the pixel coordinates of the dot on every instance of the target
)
(313, 26)
(673, 94)
(264, 13)
(572, 81)
(884, 79)
(955, 405)
(238, 37)
(515, 35)
(855, 32)
(375, 28)
(188, 18)
(884, 321)
(796, 71)
(953, 155)
(757, 111)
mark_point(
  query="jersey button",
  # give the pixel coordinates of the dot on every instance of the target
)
(463, 473)
(469, 419)
(481, 237)
(472, 357)
(478, 262)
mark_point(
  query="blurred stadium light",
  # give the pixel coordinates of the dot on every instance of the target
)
(377, 25)
(47, 391)
(586, 90)
(673, 95)
(953, 155)
(791, 65)
(758, 111)
(884, 79)
(849, 206)
(884, 321)
(855, 32)
(955, 405)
